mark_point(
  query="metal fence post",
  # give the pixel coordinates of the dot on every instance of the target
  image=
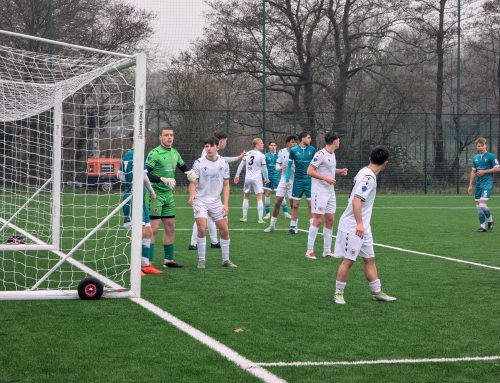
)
(426, 124)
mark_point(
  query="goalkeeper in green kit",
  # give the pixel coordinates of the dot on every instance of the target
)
(161, 164)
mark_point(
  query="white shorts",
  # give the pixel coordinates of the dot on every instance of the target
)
(350, 246)
(255, 185)
(323, 202)
(208, 210)
(282, 191)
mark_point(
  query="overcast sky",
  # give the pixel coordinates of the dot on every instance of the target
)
(178, 23)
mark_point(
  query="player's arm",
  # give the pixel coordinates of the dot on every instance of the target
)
(356, 210)
(265, 173)
(238, 171)
(288, 171)
(472, 177)
(168, 182)
(313, 172)
(234, 159)
(225, 196)
(494, 169)
(192, 184)
(147, 184)
(342, 172)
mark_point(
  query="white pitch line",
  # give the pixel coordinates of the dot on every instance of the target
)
(228, 353)
(427, 254)
(383, 361)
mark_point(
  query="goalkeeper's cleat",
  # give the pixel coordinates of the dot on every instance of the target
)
(328, 254)
(482, 230)
(310, 254)
(151, 270)
(292, 231)
(228, 263)
(383, 297)
(215, 245)
(243, 219)
(201, 265)
(338, 298)
(490, 226)
(261, 221)
(269, 229)
(127, 223)
(267, 216)
(288, 216)
(172, 264)
(193, 247)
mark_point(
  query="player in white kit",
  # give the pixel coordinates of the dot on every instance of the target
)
(212, 230)
(354, 236)
(255, 168)
(323, 169)
(212, 179)
(281, 190)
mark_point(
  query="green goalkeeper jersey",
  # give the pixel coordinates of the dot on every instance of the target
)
(163, 163)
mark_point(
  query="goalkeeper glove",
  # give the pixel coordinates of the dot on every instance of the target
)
(168, 182)
(191, 175)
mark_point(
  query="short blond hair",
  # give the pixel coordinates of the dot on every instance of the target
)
(480, 140)
(256, 141)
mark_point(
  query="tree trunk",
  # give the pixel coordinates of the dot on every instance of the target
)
(439, 165)
(498, 109)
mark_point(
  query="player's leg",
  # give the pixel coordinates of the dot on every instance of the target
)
(370, 269)
(318, 211)
(194, 235)
(307, 192)
(330, 209)
(480, 212)
(155, 209)
(201, 240)
(147, 233)
(246, 201)
(146, 266)
(267, 200)
(168, 219)
(284, 206)
(347, 246)
(485, 210)
(297, 191)
(260, 206)
(222, 224)
(212, 231)
(127, 210)
(274, 217)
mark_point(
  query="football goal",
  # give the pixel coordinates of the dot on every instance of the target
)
(66, 119)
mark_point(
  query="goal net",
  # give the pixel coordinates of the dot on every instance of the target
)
(65, 122)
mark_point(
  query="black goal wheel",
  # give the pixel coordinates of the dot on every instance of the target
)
(90, 289)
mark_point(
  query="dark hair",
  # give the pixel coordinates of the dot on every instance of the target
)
(379, 155)
(303, 134)
(330, 137)
(211, 141)
(131, 136)
(220, 135)
(271, 142)
(293, 137)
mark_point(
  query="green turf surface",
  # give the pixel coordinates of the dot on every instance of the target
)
(282, 301)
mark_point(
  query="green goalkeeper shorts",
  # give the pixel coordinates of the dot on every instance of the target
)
(163, 206)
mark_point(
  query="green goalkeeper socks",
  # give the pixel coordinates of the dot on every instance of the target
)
(151, 251)
(168, 251)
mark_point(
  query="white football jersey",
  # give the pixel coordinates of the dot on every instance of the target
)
(211, 176)
(283, 156)
(365, 187)
(254, 160)
(325, 163)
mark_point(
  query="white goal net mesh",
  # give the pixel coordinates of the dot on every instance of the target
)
(97, 93)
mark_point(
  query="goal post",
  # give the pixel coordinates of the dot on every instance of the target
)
(61, 116)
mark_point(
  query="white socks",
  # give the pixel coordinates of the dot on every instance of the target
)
(311, 237)
(246, 203)
(202, 248)
(224, 245)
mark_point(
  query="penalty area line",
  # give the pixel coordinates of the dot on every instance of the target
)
(426, 254)
(228, 353)
(384, 361)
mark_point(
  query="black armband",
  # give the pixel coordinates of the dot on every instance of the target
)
(152, 177)
(183, 168)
